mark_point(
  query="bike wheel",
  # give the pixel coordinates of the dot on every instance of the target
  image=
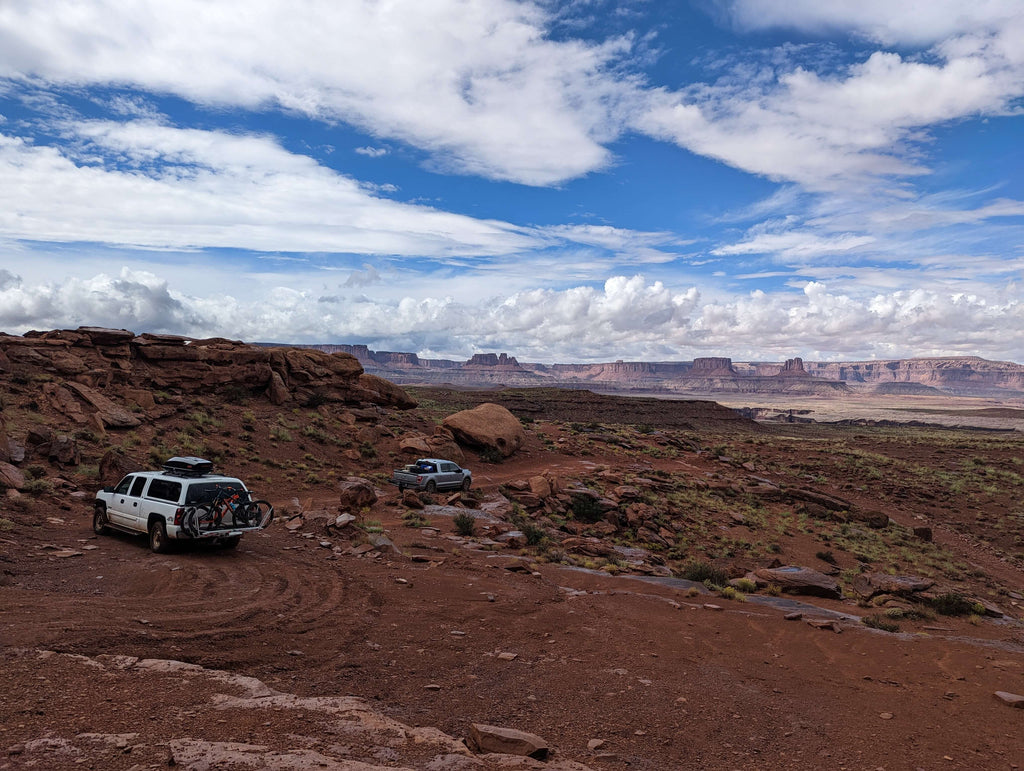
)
(256, 514)
(260, 513)
(195, 519)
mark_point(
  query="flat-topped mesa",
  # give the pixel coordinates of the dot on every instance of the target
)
(713, 365)
(493, 360)
(793, 368)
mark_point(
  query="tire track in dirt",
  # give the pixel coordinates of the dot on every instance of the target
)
(191, 603)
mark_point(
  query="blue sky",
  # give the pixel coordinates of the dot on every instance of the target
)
(562, 181)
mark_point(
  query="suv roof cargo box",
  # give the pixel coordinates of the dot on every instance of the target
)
(188, 466)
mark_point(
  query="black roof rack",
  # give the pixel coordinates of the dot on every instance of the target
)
(187, 466)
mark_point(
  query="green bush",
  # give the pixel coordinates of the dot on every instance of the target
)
(953, 604)
(705, 573)
(745, 585)
(535, 534)
(464, 523)
(880, 622)
(586, 509)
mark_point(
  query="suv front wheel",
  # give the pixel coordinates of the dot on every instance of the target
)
(99, 520)
(158, 540)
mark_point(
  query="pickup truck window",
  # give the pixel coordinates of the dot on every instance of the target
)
(164, 490)
(449, 467)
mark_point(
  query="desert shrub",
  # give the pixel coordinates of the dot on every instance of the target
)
(586, 509)
(314, 400)
(773, 590)
(705, 573)
(732, 593)
(645, 428)
(909, 614)
(491, 455)
(35, 471)
(464, 523)
(367, 451)
(413, 518)
(745, 585)
(235, 394)
(826, 556)
(877, 621)
(37, 486)
(280, 434)
(535, 534)
(953, 604)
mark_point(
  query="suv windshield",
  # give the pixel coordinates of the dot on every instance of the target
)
(205, 492)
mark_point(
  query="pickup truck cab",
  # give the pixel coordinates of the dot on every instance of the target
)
(432, 474)
(184, 501)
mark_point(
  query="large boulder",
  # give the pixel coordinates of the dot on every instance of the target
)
(114, 465)
(384, 392)
(487, 427)
(11, 476)
(356, 493)
(792, 579)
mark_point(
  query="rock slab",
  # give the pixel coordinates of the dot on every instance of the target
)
(507, 741)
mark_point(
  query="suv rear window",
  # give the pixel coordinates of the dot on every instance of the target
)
(164, 490)
(205, 492)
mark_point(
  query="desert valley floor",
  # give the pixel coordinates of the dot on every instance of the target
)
(378, 643)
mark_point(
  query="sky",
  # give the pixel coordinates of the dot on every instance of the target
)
(575, 181)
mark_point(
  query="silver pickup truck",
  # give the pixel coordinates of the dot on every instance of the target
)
(432, 474)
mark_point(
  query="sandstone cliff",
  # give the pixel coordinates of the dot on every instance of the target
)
(965, 375)
(90, 373)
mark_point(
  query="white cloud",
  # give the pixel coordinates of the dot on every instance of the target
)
(478, 83)
(372, 152)
(917, 22)
(797, 245)
(185, 188)
(626, 318)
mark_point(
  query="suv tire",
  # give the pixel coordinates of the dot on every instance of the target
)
(159, 543)
(99, 520)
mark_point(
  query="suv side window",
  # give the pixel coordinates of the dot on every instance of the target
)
(124, 485)
(164, 490)
(140, 482)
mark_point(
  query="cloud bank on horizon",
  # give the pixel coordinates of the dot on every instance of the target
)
(564, 181)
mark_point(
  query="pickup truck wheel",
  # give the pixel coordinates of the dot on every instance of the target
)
(431, 486)
(99, 520)
(465, 484)
(159, 543)
(231, 542)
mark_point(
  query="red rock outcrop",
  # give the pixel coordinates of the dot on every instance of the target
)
(94, 371)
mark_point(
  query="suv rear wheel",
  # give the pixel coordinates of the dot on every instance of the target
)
(158, 540)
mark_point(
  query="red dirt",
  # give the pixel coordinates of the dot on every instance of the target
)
(666, 682)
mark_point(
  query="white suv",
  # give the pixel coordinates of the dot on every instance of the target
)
(185, 501)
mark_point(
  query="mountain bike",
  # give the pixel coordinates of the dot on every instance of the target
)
(228, 509)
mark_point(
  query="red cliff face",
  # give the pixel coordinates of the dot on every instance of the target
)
(967, 375)
(713, 365)
(115, 361)
(958, 374)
